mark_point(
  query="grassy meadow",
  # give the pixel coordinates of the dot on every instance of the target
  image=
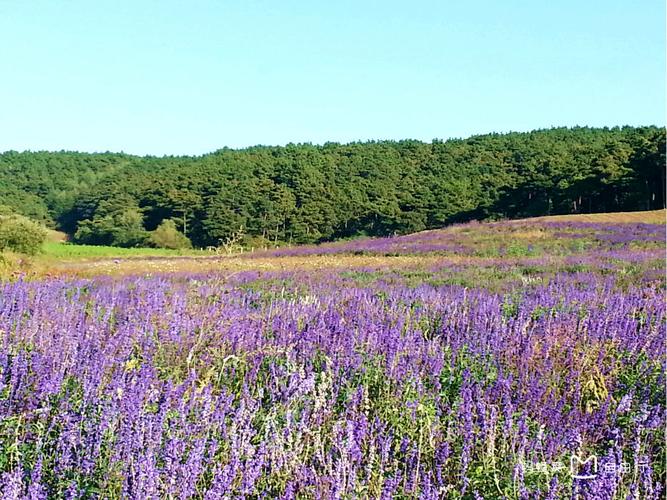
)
(483, 360)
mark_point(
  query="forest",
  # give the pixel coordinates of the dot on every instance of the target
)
(304, 193)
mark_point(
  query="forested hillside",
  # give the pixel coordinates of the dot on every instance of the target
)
(305, 193)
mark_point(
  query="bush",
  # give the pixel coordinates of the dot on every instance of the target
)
(20, 234)
(166, 235)
(123, 228)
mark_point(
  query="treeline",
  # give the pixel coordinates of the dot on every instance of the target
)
(305, 193)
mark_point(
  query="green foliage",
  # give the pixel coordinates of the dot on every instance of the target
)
(307, 194)
(117, 222)
(20, 234)
(166, 235)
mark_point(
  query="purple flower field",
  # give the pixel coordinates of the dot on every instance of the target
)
(532, 368)
(465, 239)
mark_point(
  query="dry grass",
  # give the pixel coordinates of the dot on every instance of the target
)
(135, 266)
(89, 264)
(648, 217)
(54, 236)
(533, 235)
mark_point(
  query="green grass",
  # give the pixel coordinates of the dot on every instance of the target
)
(69, 251)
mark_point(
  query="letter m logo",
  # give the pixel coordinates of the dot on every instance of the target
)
(579, 470)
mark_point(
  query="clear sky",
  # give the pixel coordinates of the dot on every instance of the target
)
(192, 76)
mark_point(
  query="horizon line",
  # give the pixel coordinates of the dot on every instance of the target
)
(332, 142)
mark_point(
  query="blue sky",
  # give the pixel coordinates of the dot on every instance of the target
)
(189, 77)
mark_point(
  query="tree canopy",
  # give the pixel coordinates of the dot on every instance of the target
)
(304, 193)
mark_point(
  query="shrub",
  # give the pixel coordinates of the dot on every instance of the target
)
(123, 228)
(166, 235)
(20, 234)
